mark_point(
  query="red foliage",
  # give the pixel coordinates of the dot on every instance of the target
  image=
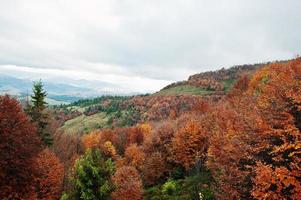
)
(133, 135)
(49, 174)
(156, 108)
(207, 83)
(153, 168)
(240, 86)
(67, 147)
(134, 156)
(128, 184)
(19, 144)
(160, 139)
(122, 138)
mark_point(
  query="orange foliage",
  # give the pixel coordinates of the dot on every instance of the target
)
(102, 140)
(239, 87)
(49, 174)
(125, 137)
(257, 132)
(156, 108)
(91, 140)
(236, 136)
(161, 139)
(153, 168)
(128, 184)
(190, 144)
(277, 90)
(145, 128)
(134, 156)
(108, 149)
(250, 140)
(120, 162)
(267, 183)
(134, 135)
(207, 83)
(108, 135)
(157, 149)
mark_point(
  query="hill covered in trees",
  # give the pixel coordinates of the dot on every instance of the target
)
(86, 115)
(217, 82)
(229, 134)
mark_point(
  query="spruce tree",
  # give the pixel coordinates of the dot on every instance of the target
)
(39, 95)
(38, 112)
(91, 177)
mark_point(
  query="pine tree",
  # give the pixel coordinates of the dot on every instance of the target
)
(39, 95)
(92, 177)
(38, 113)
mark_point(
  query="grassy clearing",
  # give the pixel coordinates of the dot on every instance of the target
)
(85, 124)
(228, 84)
(184, 90)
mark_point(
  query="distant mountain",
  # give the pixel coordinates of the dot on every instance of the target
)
(57, 92)
(13, 86)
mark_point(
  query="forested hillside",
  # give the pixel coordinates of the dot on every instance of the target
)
(230, 134)
(86, 115)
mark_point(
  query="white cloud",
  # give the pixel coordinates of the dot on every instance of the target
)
(125, 84)
(138, 43)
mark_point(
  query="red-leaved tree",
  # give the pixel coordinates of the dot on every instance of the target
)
(128, 184)
(19, 144)
(49, 174)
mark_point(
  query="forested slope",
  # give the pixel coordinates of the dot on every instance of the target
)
(244, 143)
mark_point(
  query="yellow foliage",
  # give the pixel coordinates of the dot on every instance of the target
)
(108, 149)
(91, 140)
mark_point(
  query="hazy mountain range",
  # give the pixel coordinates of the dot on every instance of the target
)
(58, 92)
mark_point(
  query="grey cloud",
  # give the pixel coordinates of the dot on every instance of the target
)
(165, 40)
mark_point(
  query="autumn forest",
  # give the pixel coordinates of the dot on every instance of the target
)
(227, 134)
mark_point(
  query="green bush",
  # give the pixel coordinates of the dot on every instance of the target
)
(170, 187)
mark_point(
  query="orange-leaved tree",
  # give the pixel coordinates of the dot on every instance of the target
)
(235, 140)
(190, 143)
(49, 174)
(128, 184)
(277, 91)
(135, 156)
(255, 147)
(91, 140)
(153, 168)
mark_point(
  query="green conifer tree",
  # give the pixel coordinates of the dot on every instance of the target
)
(92, 177)
(38, 113)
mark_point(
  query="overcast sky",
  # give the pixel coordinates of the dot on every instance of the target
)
(142, 45)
